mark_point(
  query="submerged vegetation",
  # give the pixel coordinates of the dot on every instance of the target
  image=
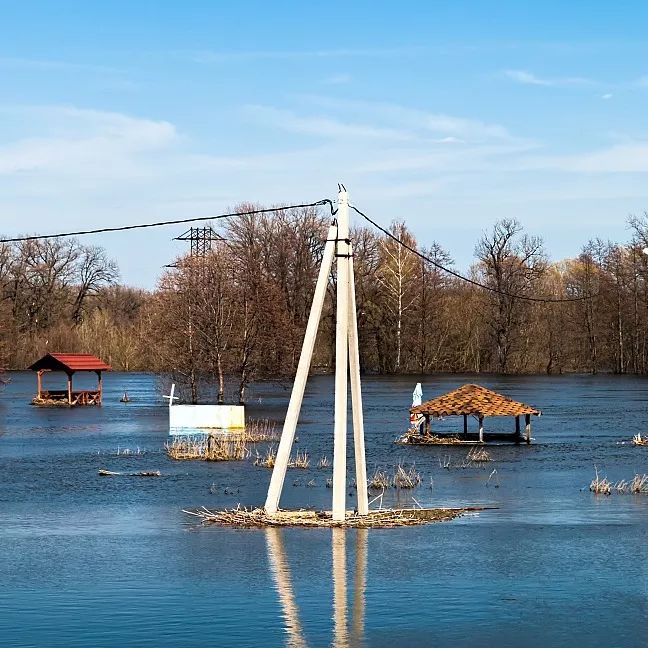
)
(208, 448)
(385, 518)
(603, 486)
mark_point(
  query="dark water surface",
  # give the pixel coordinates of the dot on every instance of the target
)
(93, 561)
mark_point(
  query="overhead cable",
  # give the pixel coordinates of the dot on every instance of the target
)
(478, 284)
(124, 228)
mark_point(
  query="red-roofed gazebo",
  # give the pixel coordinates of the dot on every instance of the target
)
(69, 363)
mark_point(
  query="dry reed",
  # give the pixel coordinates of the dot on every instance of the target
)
(639, 484)
(415, 438)
(385, 518)
(478, 455)
(301, 460)
(323, 462)
(260, 431)
(208, 448)
(406, 477)
(380, 480)
(268, 460)
(600, 485)
(638, 440)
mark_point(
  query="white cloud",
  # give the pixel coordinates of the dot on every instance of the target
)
(224, 56)
(621, 158)
(64, 167)
(528, 78)
(419, 123)
(607, 95)
(83, 142)
(321, 126)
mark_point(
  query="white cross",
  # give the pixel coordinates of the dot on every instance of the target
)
(171, 397)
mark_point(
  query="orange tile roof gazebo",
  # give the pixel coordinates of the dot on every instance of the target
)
(69, 363)
(475, 400)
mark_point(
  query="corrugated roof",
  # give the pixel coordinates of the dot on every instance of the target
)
(473, 399)
(70, 362)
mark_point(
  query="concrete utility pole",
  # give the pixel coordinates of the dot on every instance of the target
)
(346, 356)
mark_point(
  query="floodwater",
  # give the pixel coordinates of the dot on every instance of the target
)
(97, 561)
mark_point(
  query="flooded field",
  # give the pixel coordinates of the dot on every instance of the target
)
(105, 561)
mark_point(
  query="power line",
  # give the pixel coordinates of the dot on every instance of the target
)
(473, 282)
(181, 221)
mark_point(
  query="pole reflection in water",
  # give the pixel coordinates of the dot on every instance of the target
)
(283, 584)
(359, 586)
(340, 632)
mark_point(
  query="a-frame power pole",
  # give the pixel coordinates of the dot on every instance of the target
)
(347, 362)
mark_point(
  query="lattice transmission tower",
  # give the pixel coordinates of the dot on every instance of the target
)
(201, 239)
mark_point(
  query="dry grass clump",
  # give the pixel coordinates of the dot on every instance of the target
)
(406, 477)
(478, 455)
(638, 440)
(600, 485)
(268, 460)
(259, 431)
(301, 460)
(380, 480)
(127, 452)
(208, 448)
(385, 518)
(639, 484)
(621, 486)
(323, 462)
(414, 437)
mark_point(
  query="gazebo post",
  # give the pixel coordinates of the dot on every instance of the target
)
(428, 428)
(517, 429)
(69, 385)
(39, 377)
(481, 429)
(99, 386)
(465, 424)
(527, 421)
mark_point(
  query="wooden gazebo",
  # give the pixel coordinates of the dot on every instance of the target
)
(69, 363)
(477, 401)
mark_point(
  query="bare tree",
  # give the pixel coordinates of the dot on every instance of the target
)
(397, 275)
(94, 271)
(511, 263)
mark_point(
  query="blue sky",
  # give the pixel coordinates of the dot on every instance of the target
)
(447, 115)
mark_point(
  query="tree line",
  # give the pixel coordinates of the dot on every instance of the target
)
(238, 313)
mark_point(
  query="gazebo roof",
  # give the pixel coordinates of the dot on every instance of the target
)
(70, 362)
(473, 399)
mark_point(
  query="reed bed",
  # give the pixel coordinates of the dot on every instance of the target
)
(127, 452)
(600, 485)
(301, 460)
(380, 480)
(638, 440)
(260, 431)
(478, 455)
(639, 484)
(268, 460)
(603, 486)
(208, 448)
(406, 477)
(382, 519)
(415, 438)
